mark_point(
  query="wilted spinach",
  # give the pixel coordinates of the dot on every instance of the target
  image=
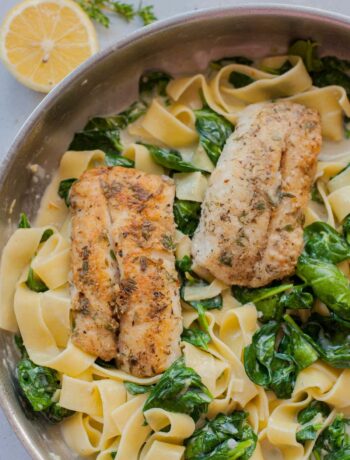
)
(272, 301)
(103, 133)
(328, 283)
(169, 158)
(201, 306)
(64, 189)
(187, 215)
(331, 339)
(311, 420)
(196, 337)
(213, 130)
(346, 228)
(334, 441)
(34, 283)
(184, 265)
(275, 365)
(135, 389)
(323, 242)
(153, 83)
(239, 80)
(224, 437)
(180, 389)
(325, 71)
(315, 195)
(38, 386)
(220, 63)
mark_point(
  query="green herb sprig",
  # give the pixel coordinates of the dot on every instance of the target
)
(97, 9)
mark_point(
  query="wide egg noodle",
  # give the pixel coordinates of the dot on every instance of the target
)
(53, 210)
(295, 85)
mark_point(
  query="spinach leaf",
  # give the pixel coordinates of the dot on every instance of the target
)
(330, 338)
(311, 420)
(100, 133)
(239, 80)
(184, 265)
(103, 133)
(34, 283)
(180, 389)
(152, 83)
(299, 347)
(323, 242)
(346, 228)
(23, 221)
(259, 354)
(201, 306)
(213, 130)
(220, 63)
(224, 437)
(196, 337)
(315, 195)
(64, 189)
(272, 301)
(187, 215)
(38, 386)
(307, 50)
(329, 77)
(298, 297)
(334, 441)
(46, 235)
(328, 283)
(135, 389)
(275, 366)
(106, 364)
(169, 158)
(285, 67)
(325, 71)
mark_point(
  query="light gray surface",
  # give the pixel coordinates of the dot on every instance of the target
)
(16, 103)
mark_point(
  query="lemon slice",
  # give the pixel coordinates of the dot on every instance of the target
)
(42, 41)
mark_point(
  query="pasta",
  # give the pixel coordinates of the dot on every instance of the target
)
(108, 418)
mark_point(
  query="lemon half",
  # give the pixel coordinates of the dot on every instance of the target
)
(42, 41)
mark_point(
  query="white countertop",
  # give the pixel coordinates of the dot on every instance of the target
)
(17, 102)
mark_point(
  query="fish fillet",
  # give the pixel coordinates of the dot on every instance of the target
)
(250, 231)
(134, 209)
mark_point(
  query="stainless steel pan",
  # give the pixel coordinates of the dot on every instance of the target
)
(107, 83)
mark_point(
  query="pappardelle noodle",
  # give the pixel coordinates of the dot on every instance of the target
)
(264, 372)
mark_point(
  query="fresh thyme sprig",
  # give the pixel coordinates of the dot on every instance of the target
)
(97, 9)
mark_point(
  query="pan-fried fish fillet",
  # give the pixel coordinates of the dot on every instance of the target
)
(124, 217)
(250, 231)
(141, 209)
(94, 272)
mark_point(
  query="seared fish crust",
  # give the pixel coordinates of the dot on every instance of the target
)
(250, 232)
(144, 285)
